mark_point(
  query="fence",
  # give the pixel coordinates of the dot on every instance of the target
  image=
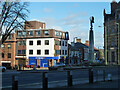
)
(51, 79)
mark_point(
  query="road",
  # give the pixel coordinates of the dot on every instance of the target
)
(25, 79)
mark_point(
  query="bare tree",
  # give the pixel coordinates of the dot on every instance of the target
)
(12, 17)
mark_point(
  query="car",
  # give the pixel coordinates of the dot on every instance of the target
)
(2, 68)
(59, 65)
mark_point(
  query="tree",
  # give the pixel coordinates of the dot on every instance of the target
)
(12, 17)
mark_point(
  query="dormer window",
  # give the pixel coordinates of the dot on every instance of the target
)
(56, 33)
(46, 32)
(38, 33)
(19, 33)
(30, 33)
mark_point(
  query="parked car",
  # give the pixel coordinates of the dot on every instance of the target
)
(2, 68)
(59, 64)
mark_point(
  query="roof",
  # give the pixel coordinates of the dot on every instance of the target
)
(79, 45)
(87, 44)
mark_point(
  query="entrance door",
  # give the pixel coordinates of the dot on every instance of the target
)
(44, 63)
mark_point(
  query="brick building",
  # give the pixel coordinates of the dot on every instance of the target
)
(112, 34)
(8, 51)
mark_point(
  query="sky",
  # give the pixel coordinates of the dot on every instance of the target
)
(73, 17)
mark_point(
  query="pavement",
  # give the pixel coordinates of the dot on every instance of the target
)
(101, 84)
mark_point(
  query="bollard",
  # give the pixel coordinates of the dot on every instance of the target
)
(109, 77)
(90, 75)
(69, 74)
(104, 75)
(96, 75)
(14, 82)
(45, 80)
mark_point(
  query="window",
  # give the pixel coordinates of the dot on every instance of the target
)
(46, 52)
(19, 42)
(65, 52)
(24, 33)
(46, 42)
(9, 55)
(30, 42)
(23, 52)
(46, 32)
(57, 42)
(9, 37)
(38, 52)
(56, 33)
(113, 29)
(62, 52)
(119, 16)
(2, 46)
(39, 42)
(9, 46)
(19, 51)
(30, 33)
(19, 33)
(38, 33)
(24, 42)
(30, 51)
(61, 34)
(63, 43)
(57, 52)
(2, 55)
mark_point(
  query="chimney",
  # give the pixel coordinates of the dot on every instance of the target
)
(78, 40)
(87, 41)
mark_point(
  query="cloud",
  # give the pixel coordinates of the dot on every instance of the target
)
(47, 10)
(75, 19)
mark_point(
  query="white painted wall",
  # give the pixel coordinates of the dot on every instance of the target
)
(42, 47)
(64, 47)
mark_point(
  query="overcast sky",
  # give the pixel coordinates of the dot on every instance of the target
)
(72, 17)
